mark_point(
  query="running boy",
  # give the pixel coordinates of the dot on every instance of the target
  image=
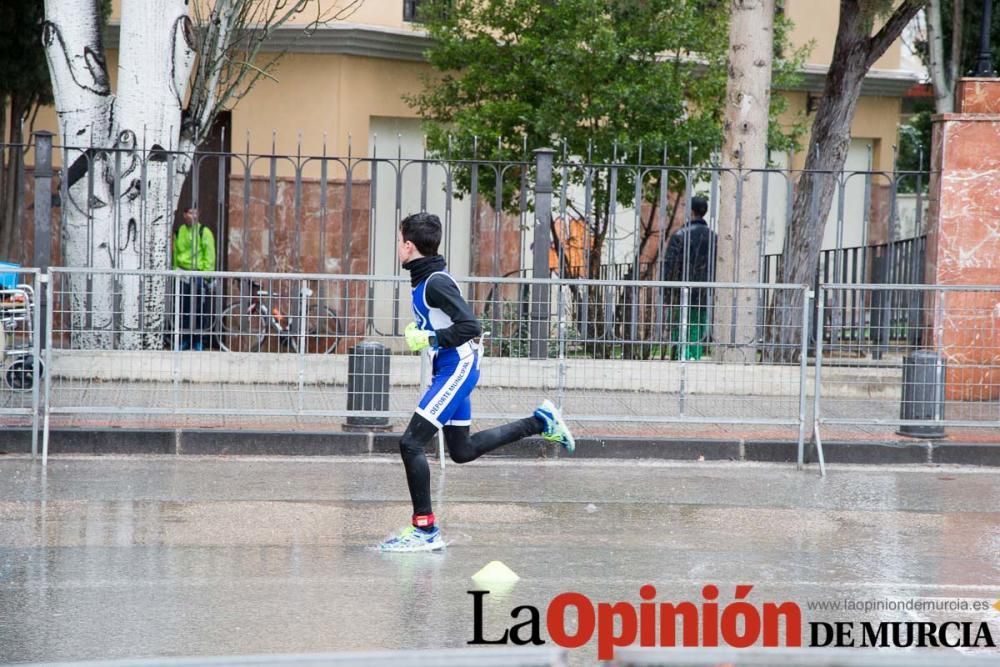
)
(445, 323)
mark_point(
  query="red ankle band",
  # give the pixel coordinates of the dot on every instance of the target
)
(423, 520)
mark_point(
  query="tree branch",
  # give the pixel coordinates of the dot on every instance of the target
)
(956, 43)
(941, 80)
(242, 27)
(893, 28)
(647, 235)
(222, 28)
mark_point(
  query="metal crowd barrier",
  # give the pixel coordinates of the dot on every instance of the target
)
(184, 349)
(20, 339)
(136, 346)
(935, 365)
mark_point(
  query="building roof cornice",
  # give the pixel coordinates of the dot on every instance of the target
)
(354, 39)
(878, 82)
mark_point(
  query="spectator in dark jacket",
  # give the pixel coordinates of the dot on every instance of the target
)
(690, 258)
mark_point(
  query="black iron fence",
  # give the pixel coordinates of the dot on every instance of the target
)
(522, 217)
(864, 322)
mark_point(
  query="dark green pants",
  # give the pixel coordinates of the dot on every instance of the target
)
(693, 346)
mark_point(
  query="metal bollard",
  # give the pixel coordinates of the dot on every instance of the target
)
(368, 386)
(923, 394)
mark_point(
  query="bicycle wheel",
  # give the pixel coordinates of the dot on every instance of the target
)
(323, 331)
(241, 329)
(20, 374)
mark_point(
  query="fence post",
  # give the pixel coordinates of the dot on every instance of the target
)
(303, 322)
(175, 344)
(808, 297)
(561, 325)
(42, 258)
(47, 407)
(544, 158)
(37, 368)
(43, 200)
(682, 342)
(818, 380)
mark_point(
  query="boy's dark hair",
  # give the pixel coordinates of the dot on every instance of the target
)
(699, 206)
(422, 230)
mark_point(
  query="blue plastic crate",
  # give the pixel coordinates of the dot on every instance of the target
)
(8, 279)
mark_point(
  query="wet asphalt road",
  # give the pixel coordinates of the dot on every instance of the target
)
(140, 557)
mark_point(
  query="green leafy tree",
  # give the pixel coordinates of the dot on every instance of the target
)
(915, 149)
(610, 81)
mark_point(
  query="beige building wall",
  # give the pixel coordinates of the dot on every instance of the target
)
(313, 95)
(876, 119)
(816, 21)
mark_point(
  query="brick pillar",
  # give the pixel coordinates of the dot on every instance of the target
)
(963, 243)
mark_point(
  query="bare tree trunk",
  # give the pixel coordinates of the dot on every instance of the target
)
(4, 152)
(748, 96)
(8, 153)
(601, 326)
(944, 72)
(957, 11)
(15, 192)
(854, 52)
(126, 222)
(84, 105)
(10, 178)
(12, 175)
(157, 51)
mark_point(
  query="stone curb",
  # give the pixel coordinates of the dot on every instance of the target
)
(271, 443)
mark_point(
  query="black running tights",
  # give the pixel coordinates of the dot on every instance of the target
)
(461, 447)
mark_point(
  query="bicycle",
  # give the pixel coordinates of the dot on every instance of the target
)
(260, 324)
(17, 363)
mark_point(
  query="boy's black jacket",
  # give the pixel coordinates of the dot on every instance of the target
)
(442, 292)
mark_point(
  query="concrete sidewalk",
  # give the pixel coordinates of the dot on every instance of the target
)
(292, 440)
(619, 424)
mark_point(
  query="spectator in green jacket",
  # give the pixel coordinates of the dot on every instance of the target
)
(194, 250)
(191, 256)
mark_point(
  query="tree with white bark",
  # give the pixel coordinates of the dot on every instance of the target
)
(130, 151)
(744, 150)
(944, 70)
